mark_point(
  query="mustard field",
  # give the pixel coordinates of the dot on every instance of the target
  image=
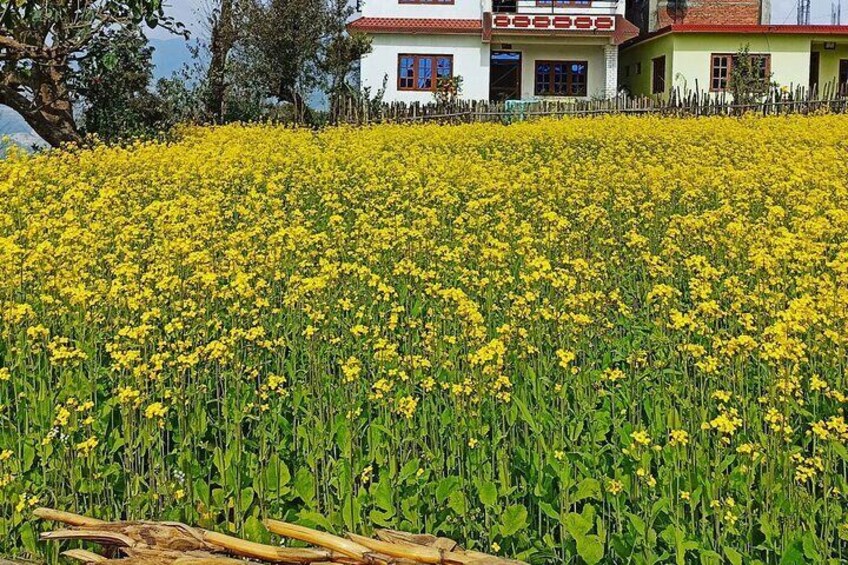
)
(617, 340)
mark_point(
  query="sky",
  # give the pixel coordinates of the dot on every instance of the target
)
(783, 11)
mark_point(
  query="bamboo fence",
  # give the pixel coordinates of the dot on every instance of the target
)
(695, 103)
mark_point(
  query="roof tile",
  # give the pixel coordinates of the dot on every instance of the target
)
(416, 25)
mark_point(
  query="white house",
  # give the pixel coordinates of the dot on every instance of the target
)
(502, 49)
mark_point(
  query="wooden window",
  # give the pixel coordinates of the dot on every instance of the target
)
(721, 69)
(423, 72)
(638, 68)
(562, 78)
(658, 77)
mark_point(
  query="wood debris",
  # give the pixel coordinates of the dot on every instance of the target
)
(174, 543)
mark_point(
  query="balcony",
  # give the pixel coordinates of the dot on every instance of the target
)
(553, 7)
(558, 17)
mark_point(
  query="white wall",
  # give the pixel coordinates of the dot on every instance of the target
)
(460, 9)
(531, 53)
(470, 60)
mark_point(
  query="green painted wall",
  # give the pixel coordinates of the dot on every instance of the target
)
(689, 57)
(644, 54)
(829, 66)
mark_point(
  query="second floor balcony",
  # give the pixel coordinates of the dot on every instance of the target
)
(553, 7)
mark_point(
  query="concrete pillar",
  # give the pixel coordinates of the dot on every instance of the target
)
(765, 12)
(611, 70)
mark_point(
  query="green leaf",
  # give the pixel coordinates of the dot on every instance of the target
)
(590, 549)
(304, 485)
(793, 555)
(513, 520)
(810, 543)
(638, 523)
(255, 530)
(488, 494)
(577, 525)
(28, 458)
(588, 488)
(310, 518)
(549, 510)
(383, 496)
(457, 502)
(733, 556)
(246, 499)
(410, 469)
(445, 488)
(201, 488)
(28, 538)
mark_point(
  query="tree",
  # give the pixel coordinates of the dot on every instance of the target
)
(225, 27)
(750, 79)
(279, 51)
(42, 43)
(114, 82)
(340, 50)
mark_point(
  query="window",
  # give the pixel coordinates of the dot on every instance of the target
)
(423, 72)
(425, 1)
(561, 78)
(721, 69)
(638, 68)
(658, 80)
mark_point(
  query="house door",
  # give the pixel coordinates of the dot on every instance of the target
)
(843, 77)
(505, 76)
(815, 65)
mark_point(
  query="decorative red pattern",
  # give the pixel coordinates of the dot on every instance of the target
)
(507, 22)
(416, 25)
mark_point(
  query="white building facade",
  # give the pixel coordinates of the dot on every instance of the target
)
(502, 49)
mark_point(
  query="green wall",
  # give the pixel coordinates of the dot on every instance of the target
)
(645, 53)
(688, 58)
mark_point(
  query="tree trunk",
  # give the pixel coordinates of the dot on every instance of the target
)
(222, 40)
(50, 112)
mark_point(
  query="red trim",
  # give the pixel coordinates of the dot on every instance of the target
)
(744, 29)
(416, 25)
(625, 30)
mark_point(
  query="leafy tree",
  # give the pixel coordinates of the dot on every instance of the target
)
(280, 49)
(42, 43)
(226, 26)
(114, 82)
(750, 78)
(340, 50)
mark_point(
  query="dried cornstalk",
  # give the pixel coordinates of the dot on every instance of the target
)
(173, 543)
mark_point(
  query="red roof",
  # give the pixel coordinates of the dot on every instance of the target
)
(416, 25)
(746, 29)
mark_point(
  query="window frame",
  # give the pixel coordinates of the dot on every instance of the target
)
(730, 57)
(552, 81)
(416, 58)
(842, 78)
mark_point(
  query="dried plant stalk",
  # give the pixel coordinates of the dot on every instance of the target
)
(322, 539)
